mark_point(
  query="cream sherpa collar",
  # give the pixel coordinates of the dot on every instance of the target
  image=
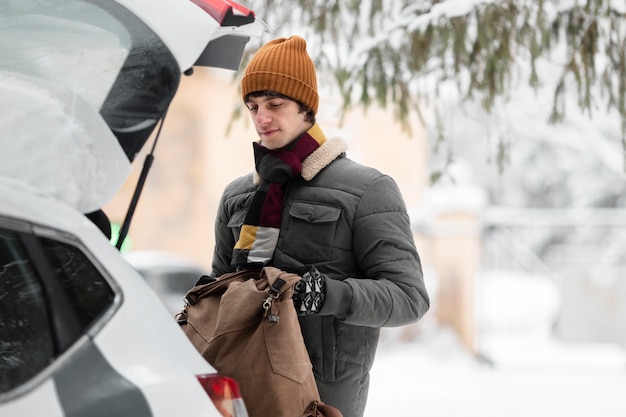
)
(318, 160)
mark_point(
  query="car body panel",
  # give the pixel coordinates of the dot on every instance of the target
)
(169, 19)
(137, 344)
(87, 385)
(40, 401)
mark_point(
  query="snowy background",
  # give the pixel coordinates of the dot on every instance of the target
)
(568, 174)
(433, 376)
(520, 370)
(521, 367)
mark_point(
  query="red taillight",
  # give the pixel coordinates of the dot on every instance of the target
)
(224, 393)
(227, 12)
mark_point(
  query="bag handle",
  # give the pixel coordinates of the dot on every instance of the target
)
(276, 280)
(200, 291)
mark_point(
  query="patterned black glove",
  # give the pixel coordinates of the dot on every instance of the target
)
(309, 292)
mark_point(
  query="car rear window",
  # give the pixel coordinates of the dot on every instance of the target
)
(89, 293)
(50, 295)
(26, 338)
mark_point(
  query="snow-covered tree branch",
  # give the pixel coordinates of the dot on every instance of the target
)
(402, 53)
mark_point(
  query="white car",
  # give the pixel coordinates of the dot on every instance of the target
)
(83, 85)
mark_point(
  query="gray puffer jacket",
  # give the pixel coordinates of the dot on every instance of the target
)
(351, 222)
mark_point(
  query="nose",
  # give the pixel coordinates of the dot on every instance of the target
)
(262, 117)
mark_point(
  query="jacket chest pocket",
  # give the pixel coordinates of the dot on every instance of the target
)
(310, 232)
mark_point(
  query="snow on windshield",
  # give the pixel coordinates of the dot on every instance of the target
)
(54, 142)
(52, 44)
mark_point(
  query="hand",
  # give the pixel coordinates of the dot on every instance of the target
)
(204, 279)
(310, 292)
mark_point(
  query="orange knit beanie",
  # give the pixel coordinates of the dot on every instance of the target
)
(283, 65)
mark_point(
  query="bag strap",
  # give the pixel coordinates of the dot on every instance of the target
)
(273, 274)
(200, 291)
(273, 292)
(278, 281)
(217, 286)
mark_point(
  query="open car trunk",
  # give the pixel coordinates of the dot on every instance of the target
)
(124, 57)
(76, 61)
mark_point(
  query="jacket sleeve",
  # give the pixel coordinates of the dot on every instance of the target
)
(224, 240)
(391, 291)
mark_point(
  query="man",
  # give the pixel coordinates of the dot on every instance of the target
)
(309, 209)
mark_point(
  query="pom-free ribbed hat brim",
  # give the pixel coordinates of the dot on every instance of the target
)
(283, 65)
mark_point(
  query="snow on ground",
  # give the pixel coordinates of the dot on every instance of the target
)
(434, 376)
(520, 369)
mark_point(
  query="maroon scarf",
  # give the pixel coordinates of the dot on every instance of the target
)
(259, 233)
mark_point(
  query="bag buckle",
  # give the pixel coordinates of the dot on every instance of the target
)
(273, 293)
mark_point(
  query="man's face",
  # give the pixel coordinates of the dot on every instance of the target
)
(277, 120)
